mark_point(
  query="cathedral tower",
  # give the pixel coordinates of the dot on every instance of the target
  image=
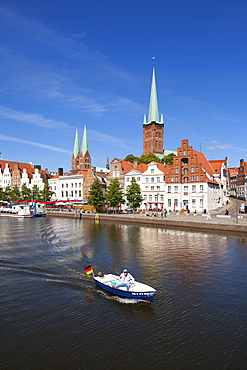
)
(153, 130)
(81, 159)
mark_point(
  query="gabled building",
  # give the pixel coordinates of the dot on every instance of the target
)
(118, 169)
(15, 174)
(190, 181)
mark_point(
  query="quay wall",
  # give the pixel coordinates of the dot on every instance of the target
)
(225, 225)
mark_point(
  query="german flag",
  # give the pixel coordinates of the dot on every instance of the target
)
(88, 270)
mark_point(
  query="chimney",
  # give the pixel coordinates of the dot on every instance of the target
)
(60, 171)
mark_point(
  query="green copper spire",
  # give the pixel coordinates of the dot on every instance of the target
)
(153, 114)
(84, 147)
(77, 148)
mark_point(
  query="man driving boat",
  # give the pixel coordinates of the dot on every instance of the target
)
(126, 279)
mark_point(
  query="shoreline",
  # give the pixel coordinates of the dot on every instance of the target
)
(198, 222)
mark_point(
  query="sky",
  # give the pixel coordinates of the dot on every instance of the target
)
(65, 64)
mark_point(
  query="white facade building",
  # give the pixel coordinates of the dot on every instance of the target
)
(67, 187)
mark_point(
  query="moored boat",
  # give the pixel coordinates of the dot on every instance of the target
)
(19, 210)
(137, 290)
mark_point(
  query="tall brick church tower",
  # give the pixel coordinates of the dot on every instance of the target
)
(153, 130)
(81, 159)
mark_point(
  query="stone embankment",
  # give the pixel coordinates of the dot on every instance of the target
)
(198, 221)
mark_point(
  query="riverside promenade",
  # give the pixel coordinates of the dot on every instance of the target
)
(218, 221)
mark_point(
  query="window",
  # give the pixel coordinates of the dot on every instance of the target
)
(169, 202)
(152, 187)
(201, 188)
(157, 179)
(162, 198)
(145, 197)
(192, 178)
(66, 185)
(62, 194)
(192, 169)
(76, 185)
(72, 185)
(127, 179)
(172, 179)
(186, 171)
(146, 179)
(152, 170)
(197, 178)
(175, 202)
(150, 198)
(138, 178)
(79, 193)
(193, 188)
(186, 189)
(184, 152)
(157, 187)
(176, 170)
(169, 189)
(176, 179)
(79, 184)
(176, 189)
(62, 185)
(152, 179)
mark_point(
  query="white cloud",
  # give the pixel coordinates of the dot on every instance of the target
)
(27, 142)
(33, 118)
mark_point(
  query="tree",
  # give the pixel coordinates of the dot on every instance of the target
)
(46, 194)
(25, 192)
(131, 158)
(114, 195)
(1, 194)
(168, 159)
(7, 193)
(96, 197)
(151, 157)
(133, 194)
(15, 193)
(35, 192)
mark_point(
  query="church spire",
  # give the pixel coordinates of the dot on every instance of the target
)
(153, 114)
(77, 148)
(85, 146)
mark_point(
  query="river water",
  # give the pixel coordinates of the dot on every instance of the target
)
(53, 317)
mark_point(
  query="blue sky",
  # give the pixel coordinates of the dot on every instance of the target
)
(68, 63)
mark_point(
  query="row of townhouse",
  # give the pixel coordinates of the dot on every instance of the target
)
(191, 183)
(75, 185)
(15, 174)
(238, 181)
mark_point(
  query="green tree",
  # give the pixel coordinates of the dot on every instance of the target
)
(46, 193)
(131, 158)
(133, 194)
(1, 194)
(168, 159)
(25, 192)
(114, 194)
(151, 157)
(96, 197)
(35, 193)
(15, 193)
(7, 193)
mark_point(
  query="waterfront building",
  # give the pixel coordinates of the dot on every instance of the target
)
(192, 183)
(15, 174)
(241, 181)
(118, 169)
(153, 187)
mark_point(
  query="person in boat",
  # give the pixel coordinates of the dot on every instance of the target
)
(126, 279)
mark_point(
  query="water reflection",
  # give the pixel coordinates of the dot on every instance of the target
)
(196, 318)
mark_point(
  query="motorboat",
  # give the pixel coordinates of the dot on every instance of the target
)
(137, 290)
